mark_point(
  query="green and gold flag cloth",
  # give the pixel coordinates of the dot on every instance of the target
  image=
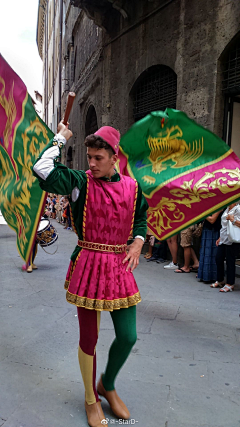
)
(23, 135)
(186, 172)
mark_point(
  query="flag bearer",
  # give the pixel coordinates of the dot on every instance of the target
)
(106, 208)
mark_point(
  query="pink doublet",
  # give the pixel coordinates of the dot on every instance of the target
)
(98, 280)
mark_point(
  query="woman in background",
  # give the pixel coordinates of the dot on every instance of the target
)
(207, 270)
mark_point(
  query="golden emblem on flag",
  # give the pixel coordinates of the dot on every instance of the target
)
(169, 147)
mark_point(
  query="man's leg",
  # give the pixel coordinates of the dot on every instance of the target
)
(220, 262)
(186, 243)
(187, 259)
(124, 321)
(194, 258)
(34, 253)
(31, 265)
(230, 261)
(173, 247)
(89, 323)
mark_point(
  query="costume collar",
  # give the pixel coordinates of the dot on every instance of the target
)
(114, 178)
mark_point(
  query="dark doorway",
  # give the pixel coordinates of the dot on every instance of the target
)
(69, 158)
(231, 90)
(91, 125)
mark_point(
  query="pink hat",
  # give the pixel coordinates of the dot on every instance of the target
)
(111, 136)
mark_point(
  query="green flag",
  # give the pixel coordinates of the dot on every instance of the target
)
(23, 135)
(186, 172)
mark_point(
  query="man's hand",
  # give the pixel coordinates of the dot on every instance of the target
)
(64, 131)
(134, 251)
(230, 217)
(217, 242)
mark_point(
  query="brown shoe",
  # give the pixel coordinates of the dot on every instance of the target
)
(34, 267)
(29, 269)
(117, 406)
(95, 415)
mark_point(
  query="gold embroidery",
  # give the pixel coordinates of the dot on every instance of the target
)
(168, 147)
(10, 110)
(149, 179)
(103, 305)
(32, 146)
(166, 213)
(102, 247)
(85, 210)
(72, 221)
(134, 207)
(66, 284)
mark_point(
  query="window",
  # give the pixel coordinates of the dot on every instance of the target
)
(155, 89)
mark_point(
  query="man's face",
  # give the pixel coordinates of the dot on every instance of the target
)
(100, 163)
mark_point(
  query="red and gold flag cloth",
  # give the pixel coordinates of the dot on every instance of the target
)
(23, 135)
(186, 172)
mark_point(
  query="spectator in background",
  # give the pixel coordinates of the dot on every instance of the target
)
(150, 239)
(207, 270)
(227, 249)
(54, 206)
(58, 208)
(173, 247)
(189, 253)
(66, 214)
(159, 253)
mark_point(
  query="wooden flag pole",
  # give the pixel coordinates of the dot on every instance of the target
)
(70, 100)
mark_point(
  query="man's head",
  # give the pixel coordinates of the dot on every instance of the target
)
(102, 150)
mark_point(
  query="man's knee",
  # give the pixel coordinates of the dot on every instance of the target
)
(127, 340)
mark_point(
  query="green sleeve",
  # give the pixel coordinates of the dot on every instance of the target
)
(61, 179)
(140, 219)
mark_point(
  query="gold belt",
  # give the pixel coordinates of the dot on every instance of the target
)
(117, 249)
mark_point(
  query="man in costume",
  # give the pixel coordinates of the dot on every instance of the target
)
(106, 208)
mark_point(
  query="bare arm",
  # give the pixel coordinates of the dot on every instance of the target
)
(213, 218)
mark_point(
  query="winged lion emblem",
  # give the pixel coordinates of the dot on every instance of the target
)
(169, 146)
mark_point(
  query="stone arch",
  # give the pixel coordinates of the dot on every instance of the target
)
(155, 89)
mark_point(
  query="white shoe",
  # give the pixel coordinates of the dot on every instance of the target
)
(171, 266)
(217, 284)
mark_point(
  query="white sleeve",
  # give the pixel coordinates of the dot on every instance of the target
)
(140, 237)
(237, 213)
(44, 166)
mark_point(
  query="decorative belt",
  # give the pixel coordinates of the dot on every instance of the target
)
(117, 249)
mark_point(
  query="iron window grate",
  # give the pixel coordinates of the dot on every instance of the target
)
(156, 91)
(231, 74)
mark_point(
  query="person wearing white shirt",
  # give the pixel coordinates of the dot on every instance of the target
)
(227, 250)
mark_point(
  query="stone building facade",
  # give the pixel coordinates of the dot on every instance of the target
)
(124, 59)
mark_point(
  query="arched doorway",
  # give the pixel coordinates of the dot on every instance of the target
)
(91, 125)
(231, 89)
(69, 158)
(155, 89)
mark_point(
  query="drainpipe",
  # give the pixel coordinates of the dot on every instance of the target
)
(46, 66)
(53, 69)
(60, 63)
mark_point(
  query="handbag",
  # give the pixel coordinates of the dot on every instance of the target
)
(233, 232)
(197, 232)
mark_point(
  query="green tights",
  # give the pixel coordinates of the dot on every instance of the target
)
(124, 321)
